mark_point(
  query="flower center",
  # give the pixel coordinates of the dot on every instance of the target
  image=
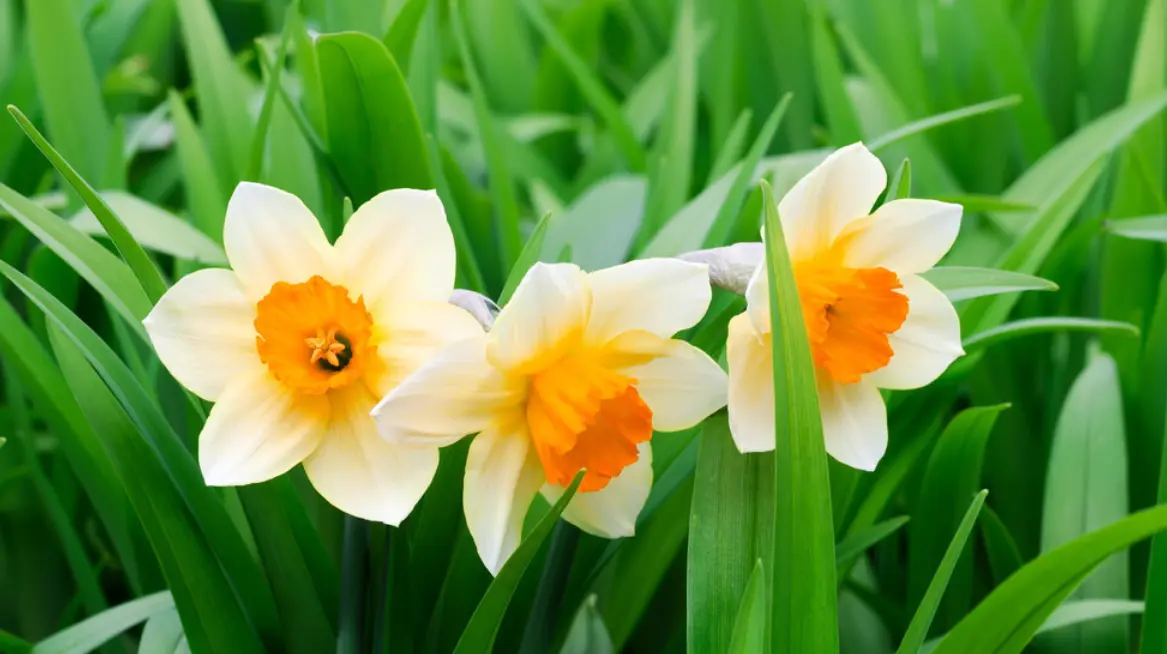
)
(849, 313)
(312, 337)
(585, 416)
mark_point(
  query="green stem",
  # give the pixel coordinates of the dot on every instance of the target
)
(352, 586)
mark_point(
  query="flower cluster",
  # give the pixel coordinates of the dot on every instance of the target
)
(351, 359)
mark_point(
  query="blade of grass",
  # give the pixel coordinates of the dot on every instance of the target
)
(91, 633)
(1029, 326)
(749, 630)
(804, 609)
(922, 620)
(259, 139)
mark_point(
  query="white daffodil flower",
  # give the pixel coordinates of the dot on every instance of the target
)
(576, 374)
(300, 339)
(872, 321)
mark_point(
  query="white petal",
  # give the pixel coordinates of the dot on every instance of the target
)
(926, 344)
(904, 236)
(361, 474)
(456, 393)
(414, 333)
(758, 299)
(854, 422)
(681, 384)
(661, 296)
(610, 512)
(751, 387)
(203, 330)
(841, 189)
(397, 247)
(270, 236)
(259, 430)
(503, 474)
(552, 302)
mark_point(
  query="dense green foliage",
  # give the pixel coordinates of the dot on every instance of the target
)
(597, 131)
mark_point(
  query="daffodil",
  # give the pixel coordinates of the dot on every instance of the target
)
(577, 372)
(300, 339)
(872, 321)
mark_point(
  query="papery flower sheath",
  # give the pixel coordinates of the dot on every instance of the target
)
(300, 339)
(577, 372)
(872, 321)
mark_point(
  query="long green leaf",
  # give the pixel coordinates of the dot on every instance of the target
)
(480, 633)
(749, 631)
(1028, 326)
(967, 282)
(205, 198)
(804, 609)
(922, 620)
(154, 228)
(374, 135)
(89, 634)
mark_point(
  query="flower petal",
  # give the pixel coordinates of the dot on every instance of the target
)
(258, 430)
(456, 393)
(203, 331)
(361, 474)
(854, 422)
(841, 189)
(610, 512)
(904, 236)
(758, 299)
(397, 247)
(270, 236)
(679, 382)
(502, 476)
(551, 303)
(751, 387)
(414, 333)
(926, 344)
(661, 296)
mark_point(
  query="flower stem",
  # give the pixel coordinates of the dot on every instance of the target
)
(352, 586)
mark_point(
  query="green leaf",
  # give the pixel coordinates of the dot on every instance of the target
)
(588, 635)
(600, 225)
(162, 633)
(373, 131)
(729, 532)
(104, 271)
(68, 85)
(402, 33)
(221, 89)
(590, 86)
(848, 550)
(1029, 326)
(205, 198)
(749, 630)
(133, 254)
(953, 475)
(480, 633)
(1147, 228)
(967, 282)
(1076, 612)
(89, 634)
(1086, 488)
(527, 258)
(986, 204)
(922, 620)
(493, 144)
(948, 117)
(260, 137)
(901, 182)
(154, 228)
(804, 609)
(468, 263)
(1006, 620)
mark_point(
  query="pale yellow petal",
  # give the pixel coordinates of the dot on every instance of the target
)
(456, 393)
(397, 247)
(413, 334)
(841, 189)
(551, 303)
(611, 512)
(678, 382)
(661, 296)
(904, 236)
(270, 236)
(926, 344)
(503, 474)
(854, 422)
(203, 331)
(258, 430)
(758, 299)
(360, 473)
(751, 387)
